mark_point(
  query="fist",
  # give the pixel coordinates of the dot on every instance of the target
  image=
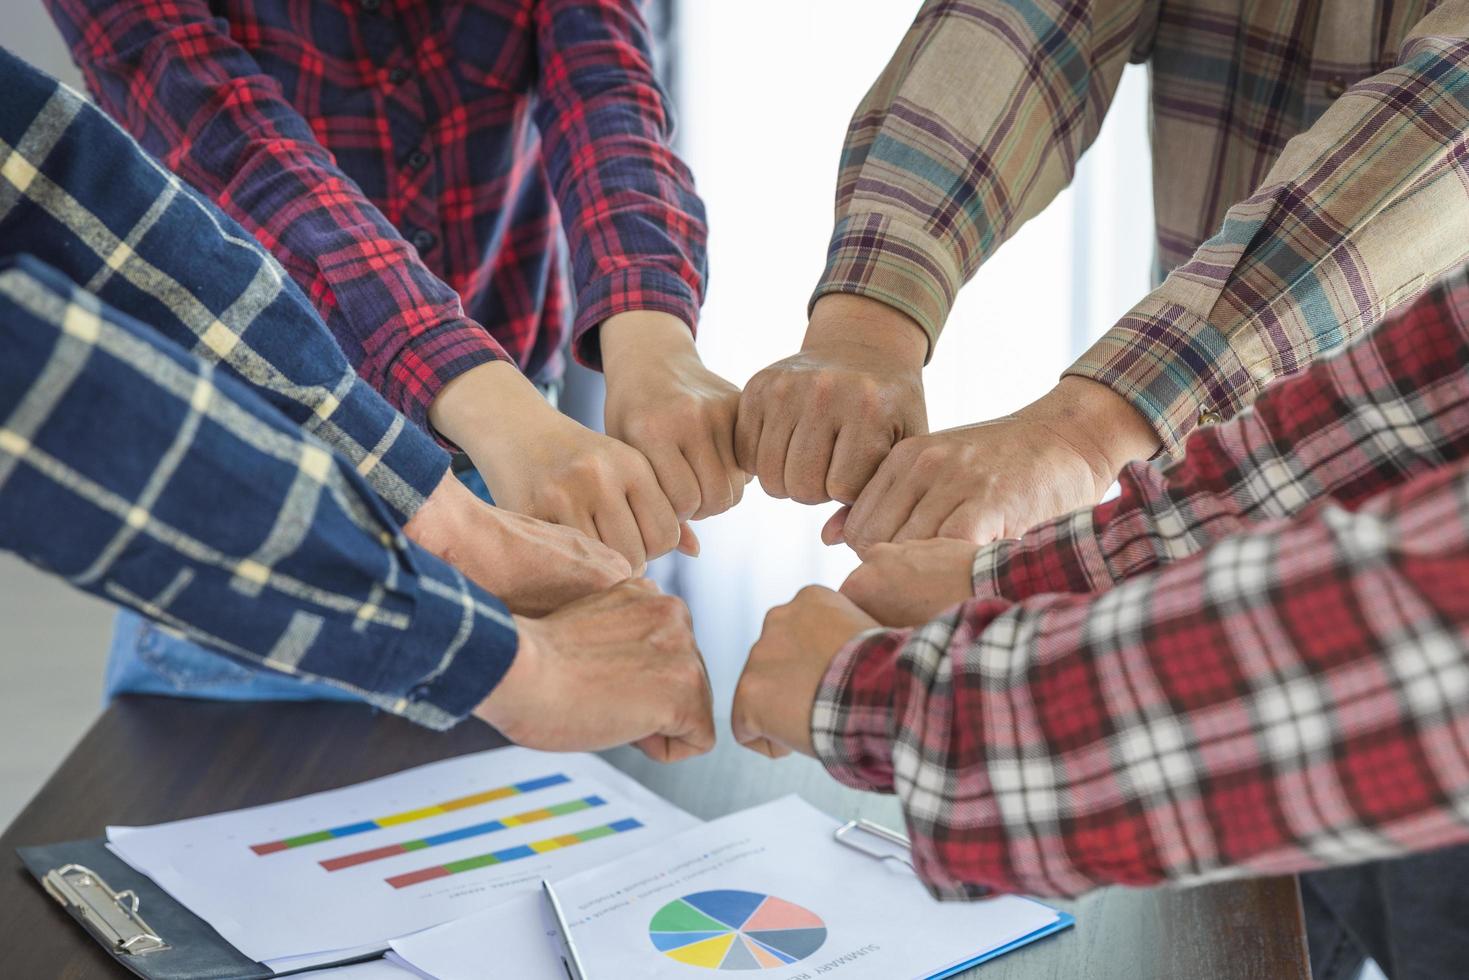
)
(772, 705)
(815, 426)
(908, 584)
(615, 668)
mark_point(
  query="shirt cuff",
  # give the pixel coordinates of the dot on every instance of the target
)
(852, 717)
(622, 291)
(1062, 555)
(1175, 367)
(461, 643)
(422, 367)
(907, 268)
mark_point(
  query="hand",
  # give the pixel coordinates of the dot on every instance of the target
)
(617, 667)
(538, 462)
(998, 479)
(815, 426)
(909, 584)
(663, 402)
(772, 704)
(532, 566)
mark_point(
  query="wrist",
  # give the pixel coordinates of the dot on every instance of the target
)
(483, 408)
(498, 707)
(635, 340)
(844, 319)
(1100, 424)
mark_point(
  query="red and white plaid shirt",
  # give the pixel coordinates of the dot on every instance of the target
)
(397, 155)
(1255, 661)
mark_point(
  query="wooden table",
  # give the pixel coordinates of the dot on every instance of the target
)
(153, 759)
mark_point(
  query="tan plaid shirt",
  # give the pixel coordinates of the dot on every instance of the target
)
(1322, 145)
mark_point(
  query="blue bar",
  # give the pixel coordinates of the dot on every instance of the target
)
(353, 828)
(534, 784)
(449, 836)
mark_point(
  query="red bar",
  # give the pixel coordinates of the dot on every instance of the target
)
(271, 848)
(362, 857)
(414, 877)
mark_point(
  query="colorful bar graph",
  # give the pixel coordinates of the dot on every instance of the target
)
(409, 816)
(512, 853)
(462, 833)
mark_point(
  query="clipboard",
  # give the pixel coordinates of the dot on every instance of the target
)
(139, 924)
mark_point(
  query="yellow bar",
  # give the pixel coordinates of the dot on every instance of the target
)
(408, 816)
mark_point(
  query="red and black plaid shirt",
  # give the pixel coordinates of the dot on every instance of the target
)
(397, 155)
(1254, 661)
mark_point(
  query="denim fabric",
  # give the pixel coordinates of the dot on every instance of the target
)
(144, 659)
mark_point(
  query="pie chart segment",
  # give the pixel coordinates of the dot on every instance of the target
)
(727, 929)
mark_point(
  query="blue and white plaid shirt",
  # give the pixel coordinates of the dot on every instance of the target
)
(179, 432)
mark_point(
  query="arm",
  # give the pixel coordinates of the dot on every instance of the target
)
(185, 496)
(152, 248)
(972, 128)
(198, 101)
(1288, 699)
(1358, 213)
(637, 236)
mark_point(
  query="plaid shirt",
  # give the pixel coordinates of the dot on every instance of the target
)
(1310, 171)
(221, 469)
(398, 155)
(1251, 662)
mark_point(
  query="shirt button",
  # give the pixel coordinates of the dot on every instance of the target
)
(1335, 86)
(418, 159)
(422, 240)
(398, 76)
(1210, 417)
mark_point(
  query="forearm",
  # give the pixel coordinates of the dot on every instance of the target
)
(930, 185)
(173, 260)
(183, 495)
(200, 102)
(634, 223)
(1358, 213)
(1385, 410)
(1161, 731)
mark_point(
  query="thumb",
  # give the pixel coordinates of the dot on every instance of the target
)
(688, 542)
(834, 532)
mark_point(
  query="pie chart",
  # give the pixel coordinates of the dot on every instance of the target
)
(736, 930)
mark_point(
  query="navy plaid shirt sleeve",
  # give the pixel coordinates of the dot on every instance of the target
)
(633, 221)
(144, 475)
(78, 193)
(173, 75)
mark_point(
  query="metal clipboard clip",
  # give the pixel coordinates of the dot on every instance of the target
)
(110, 916)
(890, 845)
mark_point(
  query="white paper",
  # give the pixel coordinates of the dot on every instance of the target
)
(512, 941)
(836, 912)
(380, 969)
(286, 903)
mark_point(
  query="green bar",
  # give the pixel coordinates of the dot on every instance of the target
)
(571, 806)
(413, 845)
(469, 864)
(304, 839)
(594, 832)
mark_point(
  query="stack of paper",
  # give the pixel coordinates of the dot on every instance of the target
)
(316, 879)
(769, 888)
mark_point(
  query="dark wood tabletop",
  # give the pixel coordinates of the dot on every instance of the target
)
(148, 760)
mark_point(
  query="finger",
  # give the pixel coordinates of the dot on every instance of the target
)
(766, 747)
(806, 462)
(688, 541)
(617, 528)
(972, 521)
(855, 459)
(678, 481)
(883, 507)
(748, 423)
(656, 520)
(770, 458)
(713, 477)
(834, 531)
(734, 474)
(932, 509)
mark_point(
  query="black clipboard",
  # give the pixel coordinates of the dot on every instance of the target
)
(138, 923)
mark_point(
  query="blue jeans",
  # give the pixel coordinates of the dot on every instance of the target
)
(143, 659)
